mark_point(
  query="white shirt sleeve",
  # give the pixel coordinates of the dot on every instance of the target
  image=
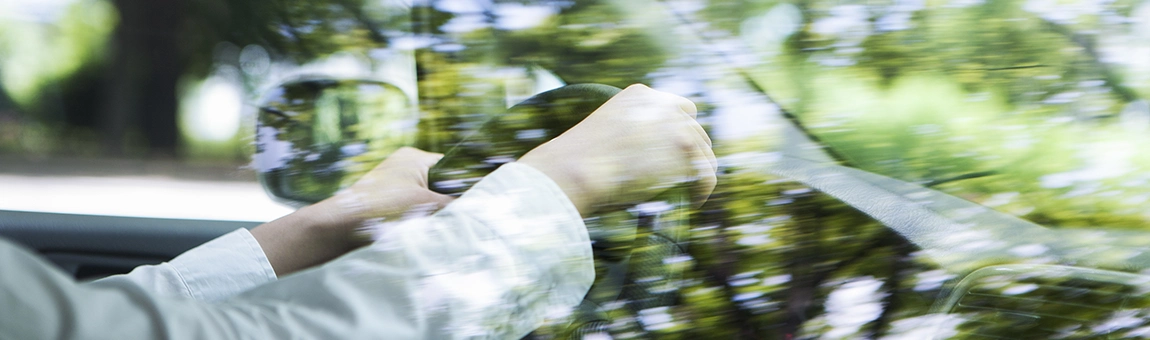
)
(492, 264)
(213, 271)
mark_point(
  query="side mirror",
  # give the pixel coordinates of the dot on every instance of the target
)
(317, 136)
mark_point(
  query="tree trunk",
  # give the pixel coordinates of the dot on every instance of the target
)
(140, 90)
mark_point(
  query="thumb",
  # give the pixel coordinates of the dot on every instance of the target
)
(411, 156)
(427, 159)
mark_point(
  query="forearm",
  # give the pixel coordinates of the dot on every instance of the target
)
(304, 238)
(395, 189)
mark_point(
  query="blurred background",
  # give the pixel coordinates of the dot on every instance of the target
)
(1033, 108)
(919, 90)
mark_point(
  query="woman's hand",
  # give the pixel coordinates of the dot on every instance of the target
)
(638, 144)
(394, 189)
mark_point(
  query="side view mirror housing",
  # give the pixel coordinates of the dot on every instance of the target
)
(316, 136)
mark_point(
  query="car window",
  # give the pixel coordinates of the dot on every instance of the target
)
(893, 169)
(91, 124)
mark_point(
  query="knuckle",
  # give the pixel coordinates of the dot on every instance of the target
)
(405, 151)
(688, 105)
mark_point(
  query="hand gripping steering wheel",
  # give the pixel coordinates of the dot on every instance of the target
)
(635, 248)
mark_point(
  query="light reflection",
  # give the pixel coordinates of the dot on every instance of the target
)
(139, 197)
(212, 109)
(852, 305)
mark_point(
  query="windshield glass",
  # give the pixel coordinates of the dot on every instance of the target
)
(888, 169)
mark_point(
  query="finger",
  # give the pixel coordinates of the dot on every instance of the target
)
(398, 157)
(702, 133)
(663, 97)
(684, 104)
(408, 156)
(408, 163)
(424, 161)
(428, 159)
(407, 151)
(637, 87)
(706, 166)
(636, 94)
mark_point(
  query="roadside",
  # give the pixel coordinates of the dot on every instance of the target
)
(163, 189)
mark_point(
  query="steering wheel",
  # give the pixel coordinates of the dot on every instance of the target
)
(630, 245)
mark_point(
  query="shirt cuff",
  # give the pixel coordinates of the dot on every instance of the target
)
(223, 267)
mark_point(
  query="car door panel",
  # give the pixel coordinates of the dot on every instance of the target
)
(91, 246)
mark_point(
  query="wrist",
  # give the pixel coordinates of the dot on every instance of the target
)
(571, 177)
(333, 222)
(299, 240)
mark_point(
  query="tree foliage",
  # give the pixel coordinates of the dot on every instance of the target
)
(1034, 109)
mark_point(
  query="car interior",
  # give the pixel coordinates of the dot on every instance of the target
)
(865, 191)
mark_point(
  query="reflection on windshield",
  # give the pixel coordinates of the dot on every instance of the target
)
(872, 155)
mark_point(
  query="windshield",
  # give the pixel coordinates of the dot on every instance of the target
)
(888, 169)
